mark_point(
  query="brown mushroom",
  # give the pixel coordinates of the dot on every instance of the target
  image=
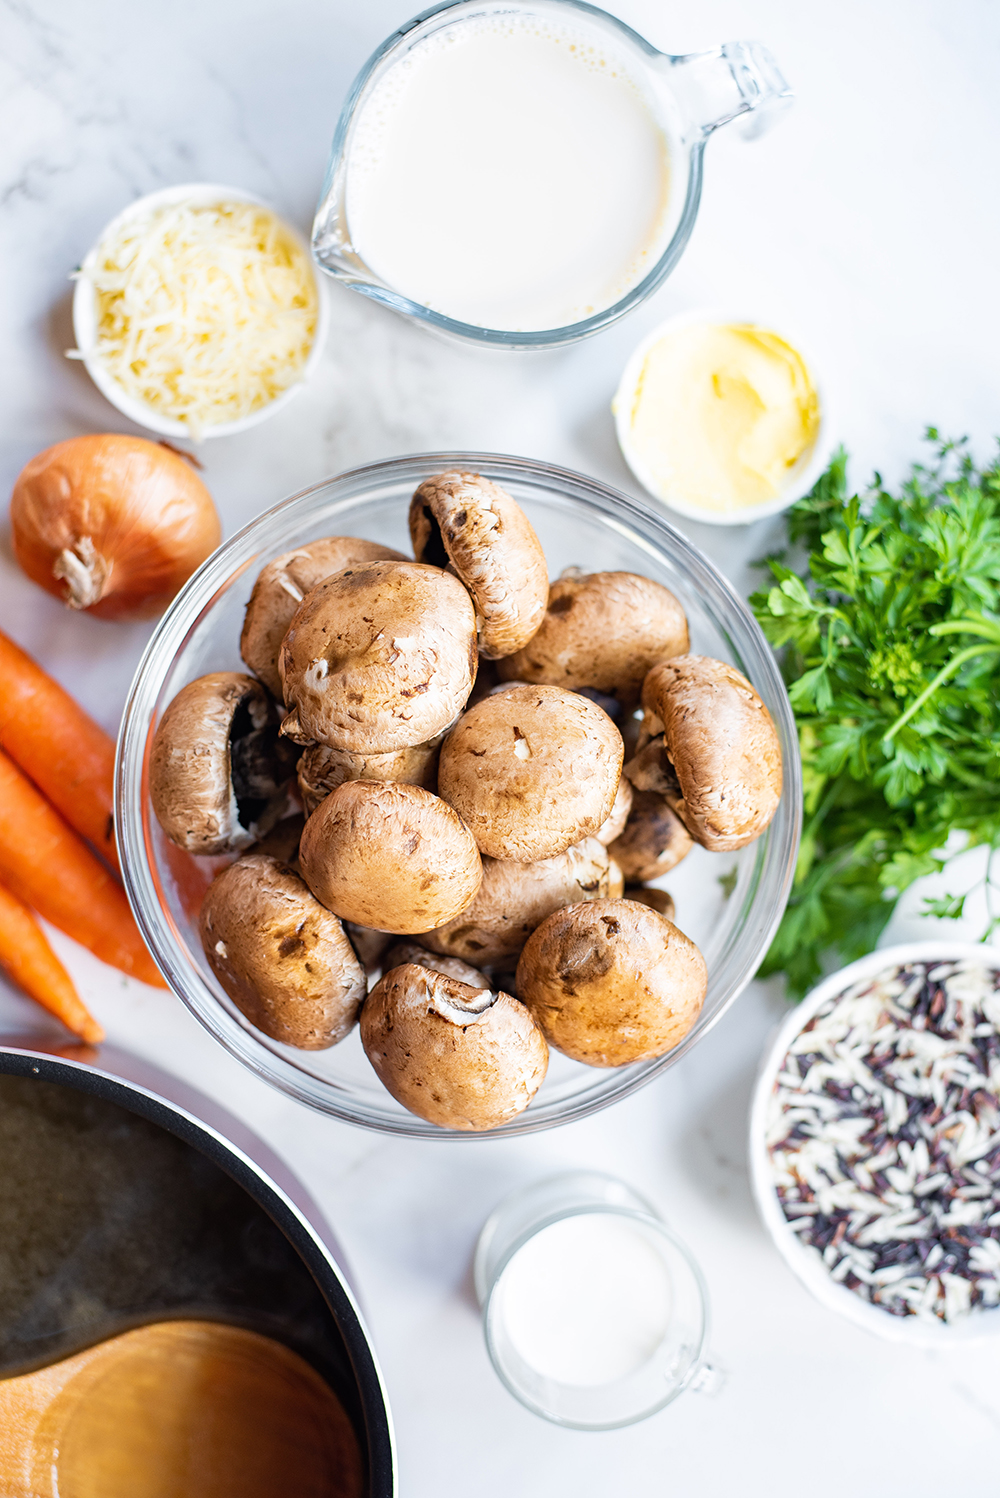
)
(218, 772)
(283, 960)
(614, 826)
(389, 856)
(403, 952)
(722, 746)
(486, 681)
(531, 771)
(280, 589)
(502, 978)
(379, 657)
(370, 945)
(282, 842)
(657, 899)
(611, 982)
(603, 630)
(460, 1057)
(630, 727)
(465, 520)
(650, 768)
(322, 769)
(653, 842)
(514, 898)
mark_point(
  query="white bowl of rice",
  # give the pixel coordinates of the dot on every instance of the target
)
(875, 1142)
(199, 311)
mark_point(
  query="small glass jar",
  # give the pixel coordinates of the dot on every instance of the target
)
(632, 1335)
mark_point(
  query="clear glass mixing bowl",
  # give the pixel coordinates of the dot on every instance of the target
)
(730, 904)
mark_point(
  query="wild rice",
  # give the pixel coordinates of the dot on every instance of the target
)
(884, 1135)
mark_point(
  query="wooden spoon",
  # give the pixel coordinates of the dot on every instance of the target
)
(177, 1409)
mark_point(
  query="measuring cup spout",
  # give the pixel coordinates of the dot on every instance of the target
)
(734, 80)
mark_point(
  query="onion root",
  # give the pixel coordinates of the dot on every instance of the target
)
(85, 573)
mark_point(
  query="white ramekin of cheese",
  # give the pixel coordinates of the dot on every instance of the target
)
(722, 419)
(199, 311)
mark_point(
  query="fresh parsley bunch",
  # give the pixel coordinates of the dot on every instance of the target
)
(891, 651)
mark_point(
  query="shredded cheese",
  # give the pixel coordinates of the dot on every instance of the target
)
(204, 313)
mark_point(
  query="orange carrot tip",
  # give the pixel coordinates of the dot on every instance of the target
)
(29, 961)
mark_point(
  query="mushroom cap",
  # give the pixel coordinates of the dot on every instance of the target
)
(282, 586)
(322, 769)
(218, 772)
(657, 899)
(285, 962)
(461, 1057)
(603, 630)
(379, 657)
(531, 771)
(614, 826)
(723, 746)
(654, 839)
(389, 856)
(403, 952)
(514, 898)
(611, 982)
(471, 523)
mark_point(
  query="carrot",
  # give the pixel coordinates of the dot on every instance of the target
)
(68, 756)
(48, 867)
(29, 961)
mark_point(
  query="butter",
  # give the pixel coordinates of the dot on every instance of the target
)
(720, 416)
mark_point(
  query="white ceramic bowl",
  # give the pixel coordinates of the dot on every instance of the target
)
(801, 478)
(980, 1325)
(85, 315)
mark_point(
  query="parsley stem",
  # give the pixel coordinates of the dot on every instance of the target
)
(807, 849)
(819, 816)
(971, 624)
(942, 676)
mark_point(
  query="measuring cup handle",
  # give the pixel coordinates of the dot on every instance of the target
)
(708, 1379)
(738, 78)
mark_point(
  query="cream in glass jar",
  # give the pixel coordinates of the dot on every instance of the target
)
(595, 1315)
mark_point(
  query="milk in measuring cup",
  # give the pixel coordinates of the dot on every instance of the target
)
(510, 173)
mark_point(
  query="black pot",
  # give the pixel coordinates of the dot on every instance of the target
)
(260, 1253)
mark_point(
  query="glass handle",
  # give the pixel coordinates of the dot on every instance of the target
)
(708, 1379)
(738, 78)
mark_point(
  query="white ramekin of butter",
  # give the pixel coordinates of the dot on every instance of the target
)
(722, 418)
(199, 312)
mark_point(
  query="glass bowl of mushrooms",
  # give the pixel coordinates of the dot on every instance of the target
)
(371, 807)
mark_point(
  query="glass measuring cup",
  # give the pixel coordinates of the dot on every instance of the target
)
(536, 1231)
(691, 97)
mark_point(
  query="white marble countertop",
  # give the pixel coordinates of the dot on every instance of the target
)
(869, 220)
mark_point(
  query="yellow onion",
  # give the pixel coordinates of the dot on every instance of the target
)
(110, 524)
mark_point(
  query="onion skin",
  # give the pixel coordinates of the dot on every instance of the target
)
(112, 525)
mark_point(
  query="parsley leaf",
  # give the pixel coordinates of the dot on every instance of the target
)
(890, 641)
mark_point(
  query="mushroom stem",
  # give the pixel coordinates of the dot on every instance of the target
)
(463, 1012)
